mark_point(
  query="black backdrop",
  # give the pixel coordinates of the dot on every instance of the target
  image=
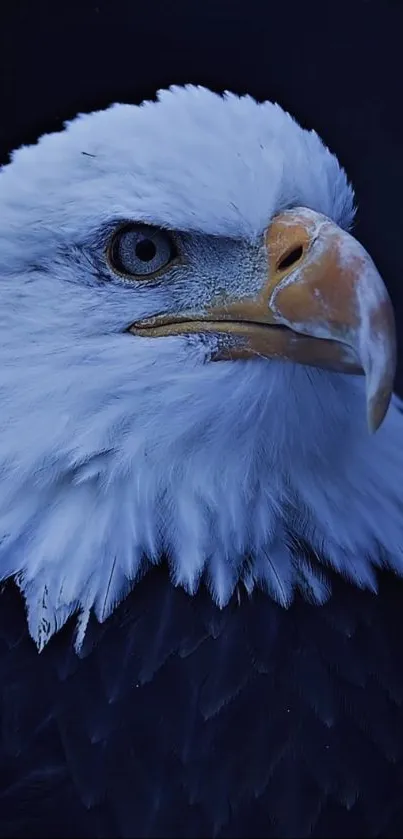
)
(337, 66)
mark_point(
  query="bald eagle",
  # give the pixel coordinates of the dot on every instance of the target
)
(201, 484)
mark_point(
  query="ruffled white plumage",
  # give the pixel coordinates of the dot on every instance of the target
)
(115, 451)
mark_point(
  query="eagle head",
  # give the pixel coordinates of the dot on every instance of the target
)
(185, 325)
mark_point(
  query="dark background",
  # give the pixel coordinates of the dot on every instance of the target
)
(337, 66)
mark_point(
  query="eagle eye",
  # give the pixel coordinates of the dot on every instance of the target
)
(140, 250)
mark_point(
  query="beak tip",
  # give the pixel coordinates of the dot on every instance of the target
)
(372, 426)
(377, 409)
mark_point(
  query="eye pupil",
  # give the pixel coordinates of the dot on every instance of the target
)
(146, 250)
(140, 251)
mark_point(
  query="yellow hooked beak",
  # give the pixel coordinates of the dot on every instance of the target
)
(325, 292)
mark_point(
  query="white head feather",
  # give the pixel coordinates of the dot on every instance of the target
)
(116, 450)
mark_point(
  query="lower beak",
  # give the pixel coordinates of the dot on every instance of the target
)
(324, 290)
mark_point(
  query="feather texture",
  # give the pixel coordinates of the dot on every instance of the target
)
(115, 449)
(180, 719)
(197, 545)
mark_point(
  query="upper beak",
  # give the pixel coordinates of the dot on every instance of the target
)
(323, 286)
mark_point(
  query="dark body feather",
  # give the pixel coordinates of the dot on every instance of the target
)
(179, 719)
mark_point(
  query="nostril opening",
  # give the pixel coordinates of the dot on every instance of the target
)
(290, 258)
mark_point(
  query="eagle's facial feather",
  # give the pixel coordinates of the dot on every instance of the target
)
(115, 449)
